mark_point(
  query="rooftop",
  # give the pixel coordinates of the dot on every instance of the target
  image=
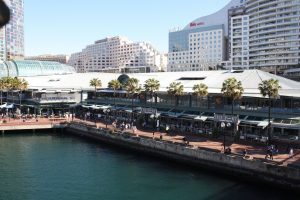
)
(213, 79)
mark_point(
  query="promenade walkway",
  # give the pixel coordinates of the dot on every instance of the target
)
(39, 123)
(195, 141)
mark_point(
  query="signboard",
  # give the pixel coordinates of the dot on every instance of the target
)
(149, 110)
(193, 24)
(226, 118)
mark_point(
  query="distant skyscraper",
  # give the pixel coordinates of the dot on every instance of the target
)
(12, 35)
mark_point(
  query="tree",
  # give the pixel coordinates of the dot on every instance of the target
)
(7, 82)
(22, 86)
(132, 87)
(233, 89)
(96, 83)
(200, 90)
(2, 87)
(115, 85)
(151, 86)
(269, 88)
(176, 90)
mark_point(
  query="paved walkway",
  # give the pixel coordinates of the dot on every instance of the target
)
(254, 151)
(32, 121)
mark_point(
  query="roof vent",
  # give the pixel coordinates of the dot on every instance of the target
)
(191, 78)
(237, 71)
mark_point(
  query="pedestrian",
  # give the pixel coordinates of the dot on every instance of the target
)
(271, 155)
(167, 129)
(245, 152)
(291, 153)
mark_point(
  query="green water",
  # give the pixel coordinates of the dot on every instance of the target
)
(43, 166)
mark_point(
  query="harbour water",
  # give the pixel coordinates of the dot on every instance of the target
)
(45, 166)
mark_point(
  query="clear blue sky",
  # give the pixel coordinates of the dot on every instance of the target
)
(67, 26)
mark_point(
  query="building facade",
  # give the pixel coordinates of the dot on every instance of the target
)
(54, 58)
(202, 44)
(12, 34)
(239, 42)
(258, 34)
(60, 93)
(274, 35)
(118, 54)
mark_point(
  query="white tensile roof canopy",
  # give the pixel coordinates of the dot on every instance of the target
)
(213, 79)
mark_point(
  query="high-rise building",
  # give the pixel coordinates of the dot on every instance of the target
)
(48, 57)
(258, 34)
(274, 34)
(202, 44)
(118, 54)
(12, 34)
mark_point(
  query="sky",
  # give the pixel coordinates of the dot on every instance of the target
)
(68, 26)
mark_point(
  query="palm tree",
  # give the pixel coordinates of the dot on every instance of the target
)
(132, 87)
(95, 82)
(2, 87)
(7, 81)
(269, 88)
(151, 86)
(200, 90)
(115, 85)
(14, 85)
(233, 89)
(23, 85)
(176, 90)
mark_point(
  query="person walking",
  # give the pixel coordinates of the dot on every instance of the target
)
(291, 153)
(244, 152)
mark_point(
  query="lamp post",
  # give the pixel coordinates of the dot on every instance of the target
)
(223, 126)
(106, 111)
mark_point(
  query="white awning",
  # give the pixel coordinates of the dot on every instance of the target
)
(201, 118)
(263, 124)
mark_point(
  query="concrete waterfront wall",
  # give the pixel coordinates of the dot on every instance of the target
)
(233, 165)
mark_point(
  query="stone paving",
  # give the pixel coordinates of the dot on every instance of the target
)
(195, 141)
(254, 151)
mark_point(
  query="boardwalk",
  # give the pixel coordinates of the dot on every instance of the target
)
(254, 151)
(196, 141)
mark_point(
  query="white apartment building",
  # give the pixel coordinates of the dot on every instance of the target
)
(12, 34)
(2, 44)
(203, 43)
(48, 57)
(239, 42)
(205, 51)
(274, 34)
(117, 54)
(259, 34)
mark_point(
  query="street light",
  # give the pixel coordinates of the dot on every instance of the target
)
(106, 111)
(223, 125)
